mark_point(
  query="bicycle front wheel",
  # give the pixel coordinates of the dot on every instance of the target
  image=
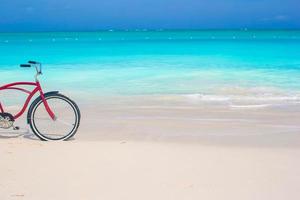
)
(67, 117)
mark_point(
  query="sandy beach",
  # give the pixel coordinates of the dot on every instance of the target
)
(146, 170)
(159, 148)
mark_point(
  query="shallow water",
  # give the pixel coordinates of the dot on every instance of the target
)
(239, 67)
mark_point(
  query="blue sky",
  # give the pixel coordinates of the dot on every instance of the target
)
(89, 15)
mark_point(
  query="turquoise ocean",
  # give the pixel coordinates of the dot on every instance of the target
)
(219, 65)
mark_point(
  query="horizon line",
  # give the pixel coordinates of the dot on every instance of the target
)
(157, 30)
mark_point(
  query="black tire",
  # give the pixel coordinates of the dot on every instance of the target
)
(37, 103)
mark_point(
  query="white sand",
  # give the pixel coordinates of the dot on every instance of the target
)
(146, 170)
(149, 150)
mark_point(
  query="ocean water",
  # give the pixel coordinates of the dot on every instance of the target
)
(214, 66)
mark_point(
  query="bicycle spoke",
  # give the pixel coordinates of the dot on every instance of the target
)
(64, 123)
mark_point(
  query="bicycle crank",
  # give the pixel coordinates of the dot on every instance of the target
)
(6, 120)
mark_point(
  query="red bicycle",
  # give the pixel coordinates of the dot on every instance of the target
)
(51, 116)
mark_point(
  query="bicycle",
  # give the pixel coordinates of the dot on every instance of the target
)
(51, 116)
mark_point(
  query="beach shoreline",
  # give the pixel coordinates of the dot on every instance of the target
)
(180, 119)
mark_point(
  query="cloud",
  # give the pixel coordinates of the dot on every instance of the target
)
(281, 18)
(277, 18)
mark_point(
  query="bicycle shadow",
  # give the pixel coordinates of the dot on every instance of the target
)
(25, 133)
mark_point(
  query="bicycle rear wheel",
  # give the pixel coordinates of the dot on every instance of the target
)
(67, 117)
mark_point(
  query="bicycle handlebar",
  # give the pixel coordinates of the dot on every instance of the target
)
(37, 65)
(30, 63)
(25, 65)
(33, 62)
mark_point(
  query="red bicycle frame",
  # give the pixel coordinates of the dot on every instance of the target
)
(37, 88)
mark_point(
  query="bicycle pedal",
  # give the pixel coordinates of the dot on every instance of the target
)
(16, 128)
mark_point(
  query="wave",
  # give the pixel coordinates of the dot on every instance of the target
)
(206, 97)
(251, 106)
(246, 101)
